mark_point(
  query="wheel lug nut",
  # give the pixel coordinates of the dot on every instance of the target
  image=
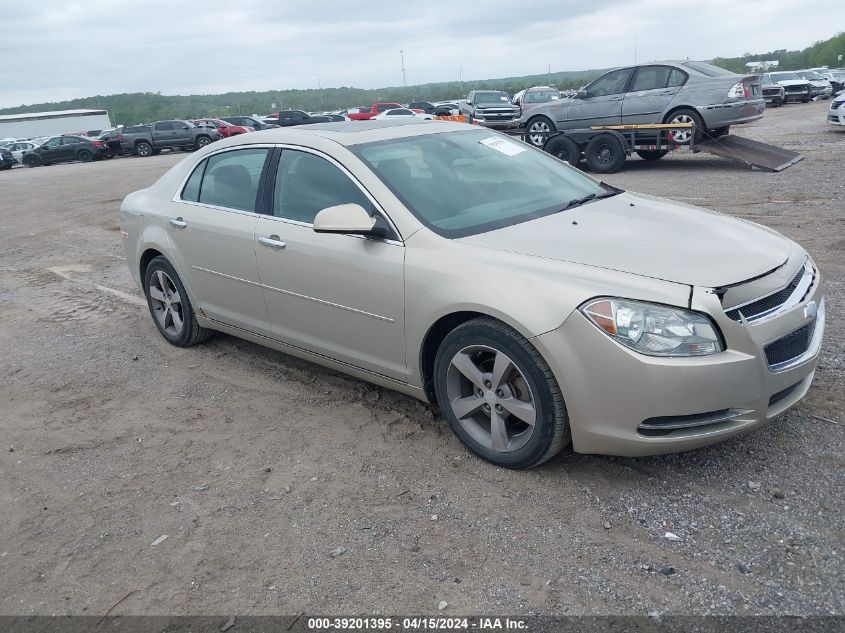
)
(499, 408)
(500, 393)
(488, 384)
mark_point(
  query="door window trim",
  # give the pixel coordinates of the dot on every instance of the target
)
(270, 184)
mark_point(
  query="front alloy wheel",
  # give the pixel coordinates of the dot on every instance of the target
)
(498, 395)
(538, 132)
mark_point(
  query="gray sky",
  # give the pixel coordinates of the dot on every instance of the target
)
(59, 49)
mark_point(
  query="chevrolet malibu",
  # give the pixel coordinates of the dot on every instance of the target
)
(536, 306)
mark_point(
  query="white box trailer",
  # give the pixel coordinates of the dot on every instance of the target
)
(35, 124)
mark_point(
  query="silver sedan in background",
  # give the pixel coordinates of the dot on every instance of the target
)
(536, 306)
(660, 92)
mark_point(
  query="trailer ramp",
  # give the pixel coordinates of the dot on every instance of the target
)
(752, 153)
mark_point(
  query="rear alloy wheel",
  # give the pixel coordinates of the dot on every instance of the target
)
(202, 141)
(499, 396)
(687, 116)
(85, 156)
(564, 148)
(538, 130)
(651, 154)
(170, 306)
(143, 149)
(605, 154)
(31, 161)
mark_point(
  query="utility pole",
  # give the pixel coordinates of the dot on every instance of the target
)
(404, 80)
(320, 86)
(549, 82)
(635, 48)
(461, 78)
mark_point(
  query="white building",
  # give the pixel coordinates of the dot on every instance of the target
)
(36, 124)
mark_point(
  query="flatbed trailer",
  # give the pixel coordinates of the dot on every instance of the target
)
(606, 147)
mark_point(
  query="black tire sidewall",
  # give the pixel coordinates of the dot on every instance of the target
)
(85, 156)
(573, 150)
(160, 263)
(591, 154)
(480, 334)
(651, 155)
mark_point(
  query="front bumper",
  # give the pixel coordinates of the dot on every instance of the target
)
(732, 113)
(610, 391)
(836, 116)
(497, 124)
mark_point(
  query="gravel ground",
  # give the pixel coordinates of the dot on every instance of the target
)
(228, 478)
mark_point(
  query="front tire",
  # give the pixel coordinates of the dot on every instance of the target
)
(499, 396)
(201, 142)
(31, 161)
(170, 306)
(538, 129)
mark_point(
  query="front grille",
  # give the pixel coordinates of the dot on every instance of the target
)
(771, 92)
(765, 304)
(790, 346)
(796, 89)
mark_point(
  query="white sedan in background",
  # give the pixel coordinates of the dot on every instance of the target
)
(401, 113)
(836, 114)
(19, 147)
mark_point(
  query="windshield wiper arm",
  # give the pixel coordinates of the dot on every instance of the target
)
(577, 202)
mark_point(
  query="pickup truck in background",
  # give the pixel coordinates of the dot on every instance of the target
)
(148, 140)
(375, 109)
(490, 108)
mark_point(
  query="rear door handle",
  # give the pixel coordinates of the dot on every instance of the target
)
(272, 242)
(668, 92)
(179, 223)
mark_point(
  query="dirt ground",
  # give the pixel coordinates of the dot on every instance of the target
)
(257, 466)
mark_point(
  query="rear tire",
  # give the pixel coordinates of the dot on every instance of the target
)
(605, 154)
(143, 149)
(85, 156)
(526, 389)
(170, 305)
(202, 141)
(651, 154)
(564, 148)
(685, 115)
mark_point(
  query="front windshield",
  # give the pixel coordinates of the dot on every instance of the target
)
(463, 183)
(491, 97)
(808, 74)
(785, 76)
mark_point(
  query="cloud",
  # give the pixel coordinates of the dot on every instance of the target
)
(59, 49)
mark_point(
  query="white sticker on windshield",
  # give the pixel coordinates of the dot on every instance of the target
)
(506, 147)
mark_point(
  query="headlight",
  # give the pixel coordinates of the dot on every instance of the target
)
(654, 330)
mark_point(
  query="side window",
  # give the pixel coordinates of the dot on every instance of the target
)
(676, 78)
(191, 192)
(231, 179)
(164, 126)
(71, 140)
(613, 83)
(650, 78)
(306, 184)
(53, 142)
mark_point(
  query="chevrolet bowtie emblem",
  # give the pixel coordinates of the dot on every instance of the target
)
(810, 310)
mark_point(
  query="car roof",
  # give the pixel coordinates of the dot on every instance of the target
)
(356, 132)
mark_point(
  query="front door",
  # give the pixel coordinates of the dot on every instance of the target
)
(52, 151)
(341, 296)
(651, 91)
(211, 227)
(600, 103)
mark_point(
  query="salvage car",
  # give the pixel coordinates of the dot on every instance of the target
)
(773, 93)
(836, 113)
(819, 86)
(535, 305)
(401, 113)
(490, 108)
(535, 96)
(7, 160)
(795, 88)
(66, 148)
(663, 92)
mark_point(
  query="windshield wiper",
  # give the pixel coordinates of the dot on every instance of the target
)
(577, 202)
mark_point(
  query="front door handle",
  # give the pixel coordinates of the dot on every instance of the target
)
(179, 223)
(272, 242)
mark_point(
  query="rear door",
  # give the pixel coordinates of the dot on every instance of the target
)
(600, 103)
(163, 133)
(650, 92)
(211, 226)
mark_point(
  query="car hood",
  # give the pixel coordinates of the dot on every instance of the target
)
(648, 236)
(793, 82)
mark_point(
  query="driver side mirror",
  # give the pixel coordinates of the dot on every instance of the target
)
(349, 219)
(582, 94)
